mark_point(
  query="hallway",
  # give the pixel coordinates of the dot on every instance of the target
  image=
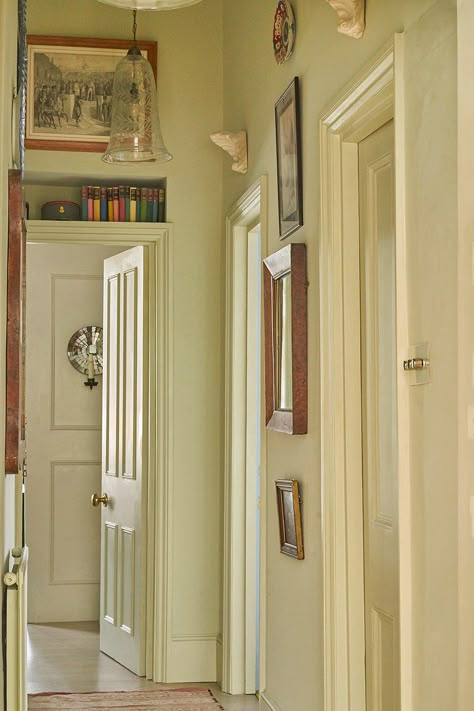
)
(66, 657)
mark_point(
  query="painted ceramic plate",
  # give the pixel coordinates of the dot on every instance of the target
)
(283, 31)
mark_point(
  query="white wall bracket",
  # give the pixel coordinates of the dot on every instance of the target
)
(235, 144)
(352, 16)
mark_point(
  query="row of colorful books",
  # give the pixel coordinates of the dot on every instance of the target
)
(122, 203)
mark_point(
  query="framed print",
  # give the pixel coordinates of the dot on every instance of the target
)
(289, 518)
(290, 194)
(286, 341)
(69, 97)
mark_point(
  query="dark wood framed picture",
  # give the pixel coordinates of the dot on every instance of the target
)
(289, 517)
(286, 341)
(288, 146)
(69, 96)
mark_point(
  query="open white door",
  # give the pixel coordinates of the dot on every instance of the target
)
(124, 464)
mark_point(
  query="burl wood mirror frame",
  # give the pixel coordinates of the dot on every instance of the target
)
(290, 260)
(15, 336)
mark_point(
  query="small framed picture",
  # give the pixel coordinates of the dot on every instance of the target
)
(70, 81)
(290, 193)
(289, 517)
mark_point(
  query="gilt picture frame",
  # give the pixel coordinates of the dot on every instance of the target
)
(289, 518)
(69, 90)
(288, 149)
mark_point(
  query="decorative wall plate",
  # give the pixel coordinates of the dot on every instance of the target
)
(84, 342)
(284, 31)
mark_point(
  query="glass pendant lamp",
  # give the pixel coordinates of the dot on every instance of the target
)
(135, 133)
(151, 4)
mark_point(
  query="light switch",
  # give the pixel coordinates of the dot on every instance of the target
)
(470, 421)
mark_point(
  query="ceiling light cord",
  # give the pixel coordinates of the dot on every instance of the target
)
(134, 27)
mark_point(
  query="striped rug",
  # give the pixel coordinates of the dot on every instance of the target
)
(187, 699)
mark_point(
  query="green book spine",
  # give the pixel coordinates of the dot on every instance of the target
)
(149, 208)
(127, 203)
(139, 204)
(144, 203)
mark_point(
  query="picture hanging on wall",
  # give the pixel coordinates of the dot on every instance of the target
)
(289, 517)
(69, 96)
(290, 189)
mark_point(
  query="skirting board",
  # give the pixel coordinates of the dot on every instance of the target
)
(266, 703)
(192, 658)
(219, 660)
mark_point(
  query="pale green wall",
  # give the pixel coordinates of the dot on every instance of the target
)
(190, 100)
(325, 62)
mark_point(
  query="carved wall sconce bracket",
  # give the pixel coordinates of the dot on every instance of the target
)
(235, 144)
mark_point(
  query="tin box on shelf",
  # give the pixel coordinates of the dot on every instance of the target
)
(60, 210)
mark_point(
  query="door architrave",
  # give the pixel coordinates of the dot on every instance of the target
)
(371, 100)
(157, 240)
(248, 211)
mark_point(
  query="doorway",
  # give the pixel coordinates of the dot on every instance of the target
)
(351, 426)
(156, 244)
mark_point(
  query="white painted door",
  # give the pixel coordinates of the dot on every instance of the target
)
(64, 293)
(124, 465)
(379, 418)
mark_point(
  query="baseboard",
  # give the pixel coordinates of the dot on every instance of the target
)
(219, 660)
(267, 703)
(192, 658)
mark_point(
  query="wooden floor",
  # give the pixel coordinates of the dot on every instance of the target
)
(66, 657)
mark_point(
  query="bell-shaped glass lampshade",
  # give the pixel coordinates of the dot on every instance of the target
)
(135, 133)
(150, 4)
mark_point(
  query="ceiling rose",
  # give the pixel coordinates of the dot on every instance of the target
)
(150, 4)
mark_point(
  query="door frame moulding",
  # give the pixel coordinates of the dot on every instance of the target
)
(369, 102)
(157, 239)
(251, 209)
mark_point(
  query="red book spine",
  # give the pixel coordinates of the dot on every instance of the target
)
(116, 204)
(90, 202)
(122, 203)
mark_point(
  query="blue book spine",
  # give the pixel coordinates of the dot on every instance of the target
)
(84, 214)
(103, 204)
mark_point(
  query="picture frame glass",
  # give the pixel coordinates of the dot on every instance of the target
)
(290, 200)
(283, 350)
(69, 95)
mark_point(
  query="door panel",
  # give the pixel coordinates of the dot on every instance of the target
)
(65, 292)
(379, 418)
(123, 521)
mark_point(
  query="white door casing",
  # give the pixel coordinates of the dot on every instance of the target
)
(239, 601)
(124, 460)
(371, 100)
(64, 285)
(379, 417)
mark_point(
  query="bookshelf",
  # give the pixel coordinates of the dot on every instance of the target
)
(38, 193)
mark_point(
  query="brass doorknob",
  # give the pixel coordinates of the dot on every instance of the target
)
(96, 499)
